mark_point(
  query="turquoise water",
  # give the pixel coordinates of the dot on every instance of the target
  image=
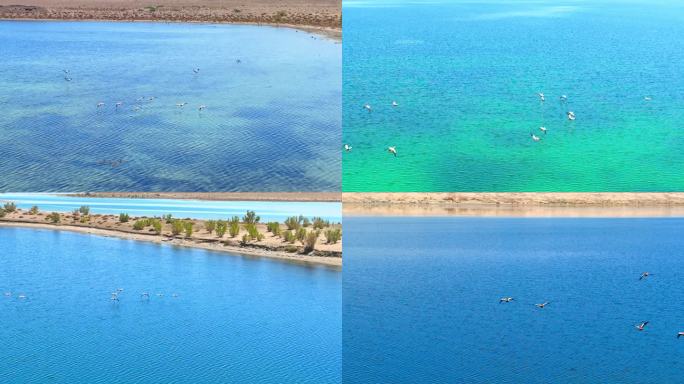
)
(271, 122)
(465, 76)
(421, 300)
(234, 320)
(196, 209)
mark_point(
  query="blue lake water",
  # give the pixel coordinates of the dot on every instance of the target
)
(234, 320)
(465, 75)
(196, 209)
(272, 121)
(421, 300)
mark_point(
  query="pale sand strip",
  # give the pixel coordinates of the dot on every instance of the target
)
(214, 246)
(225, 196)
(645, 204)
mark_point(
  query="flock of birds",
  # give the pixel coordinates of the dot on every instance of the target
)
(563, 99)
(138, 105)
(639, 327)
(115, 296)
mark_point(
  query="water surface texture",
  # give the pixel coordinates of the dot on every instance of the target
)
(196, 209)
(465, 76)
(234, 320)
(272, 120)
(421, 300)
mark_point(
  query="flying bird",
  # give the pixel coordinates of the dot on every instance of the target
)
(505, 300)
(392, 150)
(644, 275)
(543, 129)
(542, 305)
(347, 147)
(571, 115)
(368, 107)
(535, 137)
(641, 326)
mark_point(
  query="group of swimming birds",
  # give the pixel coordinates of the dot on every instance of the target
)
(137, 106)
(563, 99)
(639, 327)
(392, 149)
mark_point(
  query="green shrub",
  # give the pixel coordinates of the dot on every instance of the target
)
(250, 218)
(234, 228)
(292, 223)
(84, 210)
(10, 207)
(221, 227)
(139, 225)
(289, 237)
(300, 235)
(245, 239)
(168, 218)
(291, 249)
(84, 219)
(123, 217)
(332, 236)
(54, 218)
(157, 225)
(310, 241)
(274, 228)
(2, 212)
(252, 230)
(319, 223)
(188, 228)
(176, 227)
(210, 225)
(33, 210)
(306, 222)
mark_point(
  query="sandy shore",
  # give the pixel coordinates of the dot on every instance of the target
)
(108, 225)
(317, 16)
(222, 196)
(515, 204)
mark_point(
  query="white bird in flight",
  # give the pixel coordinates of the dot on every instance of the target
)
(368, 107)
(571, 115)
(535, 137)
(505, 300)
(640, 327)
(347, 147)
(644, 275)
(395, 104)
(392, 150)
(100, 104)
(543, 129)
(680, 334)
(202, 107)
(542, 305)
(541, 96)
(181, 105)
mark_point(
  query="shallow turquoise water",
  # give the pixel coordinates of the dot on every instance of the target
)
(271, 123)
(421, 300)
(234, 320)
(465, 75)
(196, 209)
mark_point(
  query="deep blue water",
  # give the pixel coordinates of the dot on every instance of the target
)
(272, 122)
(196, 209)
(421, 300)
(234, 320)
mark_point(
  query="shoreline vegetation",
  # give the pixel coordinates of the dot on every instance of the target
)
(297, 239)
(221, 196)
(514, 204)
(322, 17)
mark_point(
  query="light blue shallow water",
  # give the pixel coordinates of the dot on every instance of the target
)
(196, 209)
(271, 123)
(465, 75)
(421, 300)
(235, 320)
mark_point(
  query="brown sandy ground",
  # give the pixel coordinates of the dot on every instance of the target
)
(324, 16)
(108, 225)
(222, 196)
(645, 204)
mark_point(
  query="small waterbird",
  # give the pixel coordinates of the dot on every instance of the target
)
(680, 334)
(368, 107)
(115, 296)
(65, 71)
(195, 70)
(118, 104)
(181, 105)
(238, 61)
(120, 289)
(347, 147)
(145, 295)
(542, 305)
(160, 295)
(571, 115)
(535, 137)
(647, 98)
(202, 107)
(543, 129)
(392, 150)
(67, 78)
(563, 98)
(505, 300)
(395, 104)
(640, 327)
(22, 296)
(541, 96)
(8, 294)
(174, 295)
(100, 104)
(644, 275)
